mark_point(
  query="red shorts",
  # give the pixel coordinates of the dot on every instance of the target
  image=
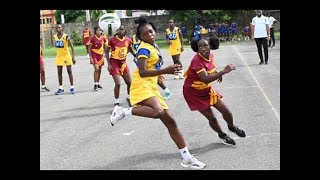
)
(97, 59)
(120, 67)
(41, 61)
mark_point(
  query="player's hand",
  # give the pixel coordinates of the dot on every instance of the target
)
(110, 68)
(173, 69)
(268, 38)
(229, 68)
(73, 60)
(182, 49)
(219, 79)
(160, 79)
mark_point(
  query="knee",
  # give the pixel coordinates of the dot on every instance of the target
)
(117, 85)
(69, 71)
(157, 113)
(171, 124)
(227, 113)
(213, 120)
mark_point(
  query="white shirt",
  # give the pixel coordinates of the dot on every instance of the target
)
(271, 20)
(260, 28)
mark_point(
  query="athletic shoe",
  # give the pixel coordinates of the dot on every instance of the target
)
(116, 115)
(237, 131)
(60, 91)
(44, 89)
(95, 87)
(72, 91)
(192, 163)
(226, 139)
(99, 87)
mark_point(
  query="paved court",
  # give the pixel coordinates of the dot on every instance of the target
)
(75, 132)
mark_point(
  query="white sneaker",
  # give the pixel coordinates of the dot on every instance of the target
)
(193, 163)
(116, 115)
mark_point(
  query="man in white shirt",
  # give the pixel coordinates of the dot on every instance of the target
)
(261, 34)
(272, 21)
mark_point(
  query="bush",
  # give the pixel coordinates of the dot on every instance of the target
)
(76, 38)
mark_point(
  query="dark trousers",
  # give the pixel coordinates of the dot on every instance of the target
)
(272, 37)
(262, 42)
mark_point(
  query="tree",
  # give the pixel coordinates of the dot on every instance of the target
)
(69, 15)
(96, 14)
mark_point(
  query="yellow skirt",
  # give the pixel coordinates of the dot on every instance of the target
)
(140, 91)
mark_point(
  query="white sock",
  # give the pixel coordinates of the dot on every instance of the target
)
(71, 87)
(127, 111)
(96, 83)
(116, 100)
(61, 87)
(167, 90)
(185, 153)
(43, 86)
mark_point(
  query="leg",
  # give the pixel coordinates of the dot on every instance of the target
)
(224, 110)
(69, 69)
(99, 74)
(42, 76)
(59, 68)
(87, 48)
(175, 59)
(152, 108)
(265, 49)
(213, 122)
(95, 73)
(127, 79)
(272, 37)
(227, 116)
(173, 129)
(258, 43)
(117, 82)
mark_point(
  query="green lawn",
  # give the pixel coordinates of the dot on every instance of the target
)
(80, 50)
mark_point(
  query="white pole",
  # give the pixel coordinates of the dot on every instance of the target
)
(87, 15)
(43, 41)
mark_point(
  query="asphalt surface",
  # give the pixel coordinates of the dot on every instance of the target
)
(75, 132)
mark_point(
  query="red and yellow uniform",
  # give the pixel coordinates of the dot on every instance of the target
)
(41, 58)
(86, 35)
(63, 54)
(119, 50)
(199, 95)
(97, 49)
(174, 38)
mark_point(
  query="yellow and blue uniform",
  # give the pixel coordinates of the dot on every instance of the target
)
(63, 54)
(174, 38)
(143, 88)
